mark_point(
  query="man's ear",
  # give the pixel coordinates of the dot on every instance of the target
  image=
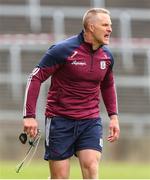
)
(91, 27)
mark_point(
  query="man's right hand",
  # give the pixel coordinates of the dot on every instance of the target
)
(30, 126)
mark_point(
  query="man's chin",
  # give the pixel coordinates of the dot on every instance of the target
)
(106, 42)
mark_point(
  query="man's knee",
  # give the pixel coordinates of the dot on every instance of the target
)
(90, 166)
(90, 169)
(61, 174)
(89, 161)
(59, 169)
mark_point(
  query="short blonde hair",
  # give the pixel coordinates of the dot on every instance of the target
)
(92, 12)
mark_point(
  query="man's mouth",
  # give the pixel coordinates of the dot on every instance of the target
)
(107, 36)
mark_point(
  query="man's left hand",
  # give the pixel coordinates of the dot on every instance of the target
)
(114, 129)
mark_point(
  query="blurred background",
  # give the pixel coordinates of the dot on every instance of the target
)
(29, 27)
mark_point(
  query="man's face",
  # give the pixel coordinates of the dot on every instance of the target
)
(102, 29)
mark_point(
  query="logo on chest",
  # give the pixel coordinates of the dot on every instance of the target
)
(78, 63)
(102, 64)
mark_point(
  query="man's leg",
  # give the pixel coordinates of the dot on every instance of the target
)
(89, 161)
(59, 169)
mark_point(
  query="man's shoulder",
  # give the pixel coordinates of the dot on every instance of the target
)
(64, 47)
(69, 40)
(107, 49)
(66, 43)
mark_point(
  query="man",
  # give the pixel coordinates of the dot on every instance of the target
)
(80, 68)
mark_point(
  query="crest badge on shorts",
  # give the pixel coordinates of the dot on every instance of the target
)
(101, 142)
(103, 64)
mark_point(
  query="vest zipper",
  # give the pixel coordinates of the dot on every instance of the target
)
(91, 65)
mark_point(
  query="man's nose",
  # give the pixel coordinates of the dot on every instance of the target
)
(109, 29)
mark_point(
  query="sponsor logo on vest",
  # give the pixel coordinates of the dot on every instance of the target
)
(78, 63)
(102, 64)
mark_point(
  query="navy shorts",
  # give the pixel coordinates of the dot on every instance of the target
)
(64, 137)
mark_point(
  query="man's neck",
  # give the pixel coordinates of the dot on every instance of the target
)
(89, 39)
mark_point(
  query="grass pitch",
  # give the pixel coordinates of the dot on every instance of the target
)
(108, 170)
